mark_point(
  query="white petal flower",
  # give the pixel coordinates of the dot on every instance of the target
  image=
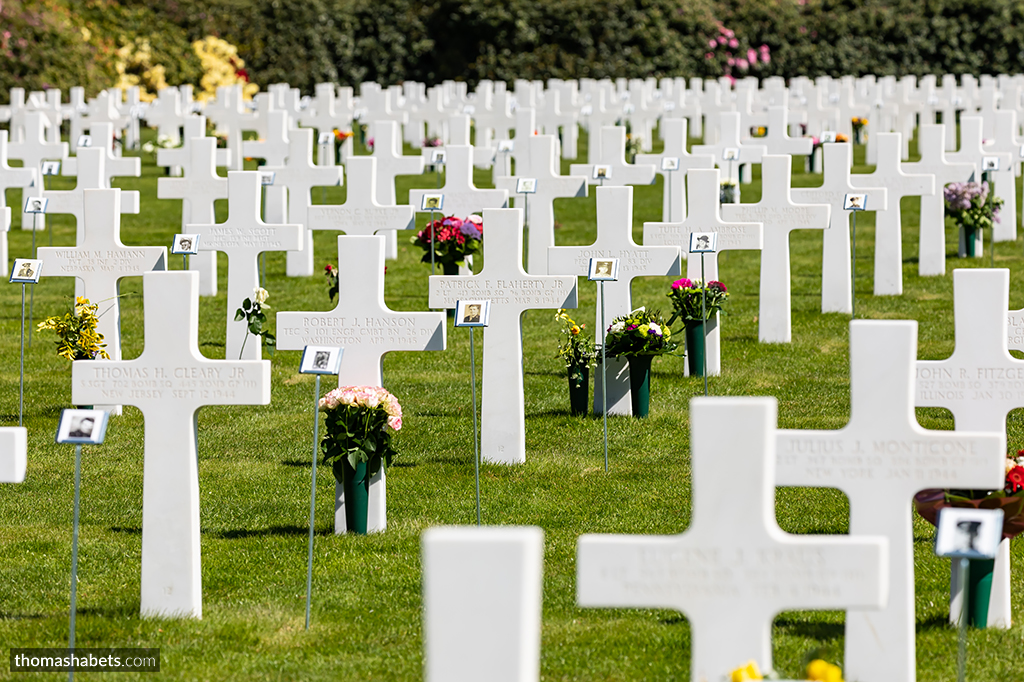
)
(260, 295)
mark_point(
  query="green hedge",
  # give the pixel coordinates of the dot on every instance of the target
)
(304, 42)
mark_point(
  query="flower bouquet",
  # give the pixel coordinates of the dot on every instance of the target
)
(974, 208)
(77, 338)
(578, 352)
(359, 422)
(858, 123)
(638, 337)
(728, 191)
(450, 240)
(1009, 498)
(695, 303)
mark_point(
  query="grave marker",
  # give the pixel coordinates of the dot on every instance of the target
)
(888, 223)
(367, 329)
(748, 153)
(704, 216)
(114, 166)
(511, 292)
(32, 151)
(360, 214)
(615, 240)
(733, 558)
(780, 215)
(461, 197)
(880, 459)
(169, 382)
(13, 453)
(836, 288)
(199, 188)
(243, 237)
(10, 178)
(673, 199)
(613, 153)
(482, 594)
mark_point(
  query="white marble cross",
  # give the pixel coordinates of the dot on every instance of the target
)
(91, 175)
(777, 139)
(704, 216)
(551, 185)
(274, 148)
(780, 215)
(32, 151)
(169, 382)
(195, 126)
(511, 291)
(300, 176)
(228, 112)
(613, 154)
(199, 188)
(391, 162)
(114, 166)
(461, 196)
(733, 570)
(673, 199)
(1006, 140)
(482, 595)
(10, 178)
(99, 260)
(13, 453)
(367, 329)
(980, 382)
(972, 150)
(880, 459)
(615, 240)
(931, 145)
(167, 114)
(360, 214)
(243, 237)
(749, 153)
(836, 287)
(888, 223)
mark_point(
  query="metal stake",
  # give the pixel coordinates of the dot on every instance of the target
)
(853, 268)
(21, 394)
(476, 435)
(32, 291)
(312, 497)
(433, 234)
(961, 658)
(604, 378)
(704, 320)
(74, 554)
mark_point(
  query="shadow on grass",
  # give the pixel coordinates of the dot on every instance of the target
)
(273, 531)
(818, 631)
(938, 622)
(21, 616)
(131, 530)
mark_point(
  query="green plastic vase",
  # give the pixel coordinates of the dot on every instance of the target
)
(640, 384)
(979, 591)
(695, 347)
(579, 390)
(356, 484)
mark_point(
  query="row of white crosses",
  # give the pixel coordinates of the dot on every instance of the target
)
(734, 558)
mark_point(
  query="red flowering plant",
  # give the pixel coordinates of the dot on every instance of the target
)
(451, 239)
(686, 295)
(1009, 498)
(331, 273)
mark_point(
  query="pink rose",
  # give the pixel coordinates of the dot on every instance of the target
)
(733, 43)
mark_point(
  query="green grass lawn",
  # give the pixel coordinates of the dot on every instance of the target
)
(255, 466)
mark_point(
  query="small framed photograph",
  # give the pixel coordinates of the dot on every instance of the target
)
(325, 138)
(472, 313)
(437, 157)
(432, 202)
(602, 172)
(26, 270)
(968, 533)
(603, 270)
(469, 109)
(587, 110)
(526, 186)
(267, 177)
(670, 106)
(703, 242)
(958, 102)
(670, 163)
(855, 202)
(82, 426)
(989, 163)
(185, 244)
(51, 167)
(731, 154)
(36, 204)
(828, 136)
(628, 108)
(506, 146)
(84, 141)
(320, 360)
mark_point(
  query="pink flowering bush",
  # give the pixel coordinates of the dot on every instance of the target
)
(733, 57)
(452, 239)
(972, 205)
(686, 297)
(360, 420)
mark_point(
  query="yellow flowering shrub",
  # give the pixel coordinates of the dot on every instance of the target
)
(77, 338)
(221, 66)
(134, 65)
